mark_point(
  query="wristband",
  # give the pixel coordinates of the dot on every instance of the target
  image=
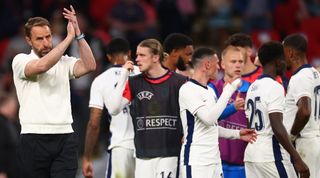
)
(293, 137)
(81, 36)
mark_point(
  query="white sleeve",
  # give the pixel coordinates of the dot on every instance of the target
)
(301, 88)
(188, 99)
(276, 99)
(70, 61)
(19, 64)
(228, 133)
(210, 114)
(96, 96)
(115, 100)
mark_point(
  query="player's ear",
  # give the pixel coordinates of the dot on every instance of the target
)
(28, 39)
(110, 58)
(222, 64)
(129, 55)
(291, 53)
(207, 64)
(175, 52)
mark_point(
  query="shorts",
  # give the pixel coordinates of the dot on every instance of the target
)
(275, 169)
(121, 163)
(160, 167)
(309, 150)
(200, 171)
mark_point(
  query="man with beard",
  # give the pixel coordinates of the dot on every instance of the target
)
(302, 102)
(48, 145)
(179, 48)
(264, 107)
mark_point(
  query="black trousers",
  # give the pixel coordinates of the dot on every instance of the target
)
(48, 155)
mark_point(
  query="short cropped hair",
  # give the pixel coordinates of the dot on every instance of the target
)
(118, 45)
(176, 41)
(239, 40)
(200, 53)
(269, 52)
(35, 21)
(297, 42)
(230, 48)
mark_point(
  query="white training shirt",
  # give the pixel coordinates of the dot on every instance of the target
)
(264, 96)
(304, 82)
(200, 146)
(45, 106)
(121, 127)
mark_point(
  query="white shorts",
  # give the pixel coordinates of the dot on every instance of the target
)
(121, 163)
(197, 171)
(309, 150)
(161, 167)
(270, 169)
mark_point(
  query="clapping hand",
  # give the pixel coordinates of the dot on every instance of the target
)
(70, 15)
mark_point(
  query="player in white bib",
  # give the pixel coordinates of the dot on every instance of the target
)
(268, 157)
(200, 110)
(121, 161)
(302, 113)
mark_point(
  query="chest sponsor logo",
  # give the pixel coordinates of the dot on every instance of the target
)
(156, 122)
(144, 95)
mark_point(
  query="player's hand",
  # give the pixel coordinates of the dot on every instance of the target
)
(235, 81)
(239, 102)
(70, 15)
(3, 175)
(70, 30)
(302, 168)
(248, 135)
(128, 65)
(87, 168)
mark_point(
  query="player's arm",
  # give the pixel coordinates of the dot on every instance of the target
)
(210, 114)
(119, 98)
(92, 135)
(283, 138)
(87, 62)
(232, 108)
(302, 115)
(229, 110)
(248, 135)
(38, 66)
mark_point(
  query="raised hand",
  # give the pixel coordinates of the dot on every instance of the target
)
(128, 65)
(239, 102)
(70, 15)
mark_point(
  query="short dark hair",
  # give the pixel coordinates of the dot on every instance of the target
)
(35, 21)
(297, 42)
(269, 52)
(176, 41)
(239, 40)
(200, 53)
(118, 45)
